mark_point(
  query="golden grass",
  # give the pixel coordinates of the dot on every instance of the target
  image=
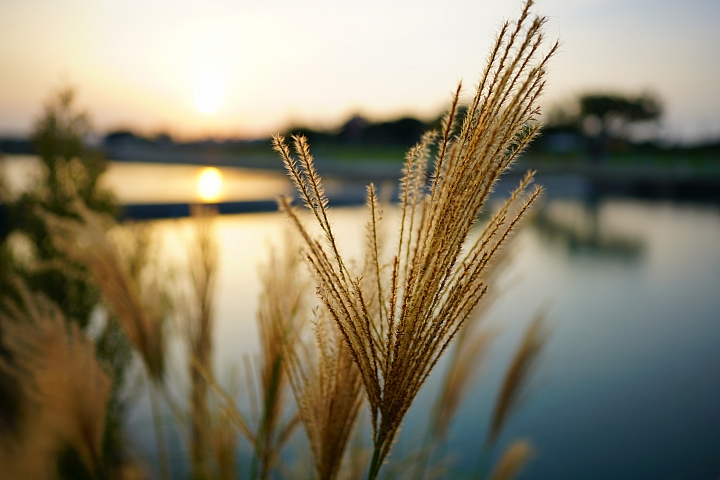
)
(64, 391)
(203, 253)
(466, 362)
(514, 387)
(328, 395)
(280, 301)
(434, 280)
(469, 353)
(319, 367)
(131, 288)
(512, 460)
(137, 300)
(223, 445)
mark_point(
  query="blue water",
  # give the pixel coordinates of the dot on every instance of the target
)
(629, 387)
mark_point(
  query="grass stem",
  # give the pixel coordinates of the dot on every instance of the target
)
(163, 459)
(375, 464)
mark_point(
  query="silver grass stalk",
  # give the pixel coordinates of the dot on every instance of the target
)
(319, 367)
(137, 303)
(513, 460)
(435, 278)
(199, 316)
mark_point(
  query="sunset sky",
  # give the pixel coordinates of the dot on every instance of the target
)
(248, 69)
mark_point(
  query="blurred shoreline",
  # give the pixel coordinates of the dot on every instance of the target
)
(253, 181)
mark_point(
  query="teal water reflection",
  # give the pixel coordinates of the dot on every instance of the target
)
(629, 386)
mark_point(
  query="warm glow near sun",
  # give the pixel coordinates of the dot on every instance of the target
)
(210, 184)
(208, 93)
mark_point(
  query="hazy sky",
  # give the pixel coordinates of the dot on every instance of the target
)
(250, 68)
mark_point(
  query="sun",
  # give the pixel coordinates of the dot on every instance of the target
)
(210, 184)
(208, 93)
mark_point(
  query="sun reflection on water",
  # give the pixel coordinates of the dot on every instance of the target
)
(210, 184)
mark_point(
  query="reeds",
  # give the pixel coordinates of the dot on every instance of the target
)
(129, 288)
(61, 388)
(137, 301)
(203, 253)
(329, 396)
(434, 280)
(513, 390)
(280, 303)
(325, 382)
(467, 358)
(512, 461)
(468, 355)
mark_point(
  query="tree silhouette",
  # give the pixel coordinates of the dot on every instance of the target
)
(605, 119)
(642, 108)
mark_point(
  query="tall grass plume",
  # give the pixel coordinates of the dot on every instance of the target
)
(434, 279)
(63, 389)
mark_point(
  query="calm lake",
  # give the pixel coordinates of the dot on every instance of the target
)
(629, 383)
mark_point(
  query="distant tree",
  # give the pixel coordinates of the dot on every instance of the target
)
(563, 116)
(642, 108)
(402, 132)
(612, 114)
(353, 131)
(606, 119)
